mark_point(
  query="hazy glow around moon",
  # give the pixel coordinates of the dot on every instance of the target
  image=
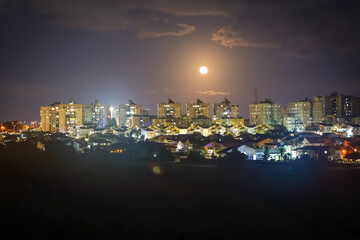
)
(203, 70)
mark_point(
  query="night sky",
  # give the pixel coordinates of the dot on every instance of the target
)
(147, 51)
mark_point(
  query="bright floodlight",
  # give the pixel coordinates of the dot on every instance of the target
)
(203, 70)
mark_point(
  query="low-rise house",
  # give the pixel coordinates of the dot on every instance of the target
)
(194, 129)
(183, 130)
(346, 130)
(185, 146)
(259, 143)
(83, 132)
(149, 133)
(313, 128)
(325, 128)
(322, 153)
(206, 130)
(122, 131)
(79, 145)
(250, 129)
(202, 121)
(99, 143)
(170, 141)
(274, 154)
(100, 130)
(331, 139)
(11, 138)
(270, 145)
(248, 151)
(118, 148)
(313, 141)
(252, 153)
(353, 130)
(212, 149)
(218, 129)
(262, 128)
(172, 130)
(293, 139)
(349, 146)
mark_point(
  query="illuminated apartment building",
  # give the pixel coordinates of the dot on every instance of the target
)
(265, 112)
(49, 118)
(126, 111)
(302, 113)
(63, 118)
(198, 109)
(99, 114)
(342, 106)
(318, 109)
(225, 109)
(299, 115)
(140, 121)
(169, 110)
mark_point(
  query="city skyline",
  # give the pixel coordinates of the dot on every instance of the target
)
(149, 52)
(184, 110)
(171, 119)
(297, 116)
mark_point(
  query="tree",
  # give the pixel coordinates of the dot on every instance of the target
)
(111, 123)
(266, 153)
(135, 133)
(165, 155)
(196, 156)
(287, 157)
(353, 156)
(233, 160)
(162, 129)
(306, 158)
(282, 152)
(235, 154)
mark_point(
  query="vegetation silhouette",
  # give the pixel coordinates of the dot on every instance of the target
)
(59, 193)
(233, 160)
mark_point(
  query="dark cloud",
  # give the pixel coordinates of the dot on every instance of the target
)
(185, 7)
(152, 18)
(175, 30)
(91, 15)
(227, 37)
(294, 28)
(298, 28)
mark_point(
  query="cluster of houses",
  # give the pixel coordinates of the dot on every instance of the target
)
(328, 146)
(328, 142)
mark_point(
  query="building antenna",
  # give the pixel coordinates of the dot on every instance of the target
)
(256, 101)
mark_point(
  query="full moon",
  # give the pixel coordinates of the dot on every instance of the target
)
(203, 70)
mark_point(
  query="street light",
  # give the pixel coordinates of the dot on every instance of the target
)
(111, 111)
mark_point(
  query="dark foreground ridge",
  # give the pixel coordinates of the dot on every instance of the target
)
(58, 195)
